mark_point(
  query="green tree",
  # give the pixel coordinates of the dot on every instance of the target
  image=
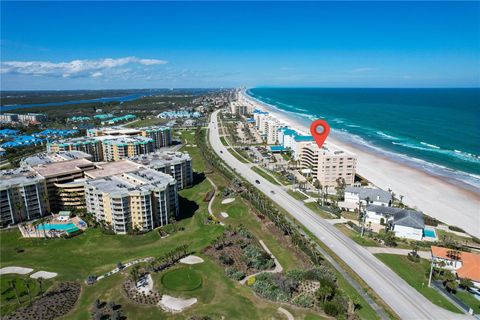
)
(324, 293)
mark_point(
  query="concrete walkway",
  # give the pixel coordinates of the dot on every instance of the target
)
(286, 313)
(210, 211)
(423, 254)
(126, 265)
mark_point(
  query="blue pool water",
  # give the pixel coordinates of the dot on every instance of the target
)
(48, 226)
(429, 233)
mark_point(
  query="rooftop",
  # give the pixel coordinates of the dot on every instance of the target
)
(401, 217)
(470, 268)
(112, 168)
(63, 167)
(299, 138)
(122, 140)
(143, 180)
(328, 149)
(46, 158)
(160, 158)
(371, 193)
(19, 176)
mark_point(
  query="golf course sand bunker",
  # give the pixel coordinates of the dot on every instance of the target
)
(43, 274)
(174, 305)
(228, 200)
(17, 270)
(191, 259)
(224, 214)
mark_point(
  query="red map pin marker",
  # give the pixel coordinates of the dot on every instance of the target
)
(320, 130)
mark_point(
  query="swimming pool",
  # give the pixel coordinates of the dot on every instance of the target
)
(48, 226)
(430, 233)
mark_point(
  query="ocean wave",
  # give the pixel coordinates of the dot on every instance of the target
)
(387, 136)
(463, 178)
(457, 154)
(430, 145)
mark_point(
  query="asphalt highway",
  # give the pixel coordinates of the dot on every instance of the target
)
(399, 295)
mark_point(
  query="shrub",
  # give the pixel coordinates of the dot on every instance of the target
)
(226, 259)
(430, 221)
(331, 309)
(257, 258)
(251, 281)
(455, 228)
(234, 274)
(303, 300)
(295, 274)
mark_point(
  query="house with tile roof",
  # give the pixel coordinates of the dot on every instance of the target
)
(465, 265)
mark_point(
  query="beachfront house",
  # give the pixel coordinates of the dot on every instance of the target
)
(465, 265)
(405, 223)
(366, 196)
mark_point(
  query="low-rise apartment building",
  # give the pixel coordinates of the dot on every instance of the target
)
(141, 200)
(23, 196)
(328, 164)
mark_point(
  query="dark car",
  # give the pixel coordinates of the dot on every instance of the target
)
(257, 182)
(272, 192)
(221, 151)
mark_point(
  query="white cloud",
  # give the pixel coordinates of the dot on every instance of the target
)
(75, 68)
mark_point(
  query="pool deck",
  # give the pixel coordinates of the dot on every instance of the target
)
(28, 231)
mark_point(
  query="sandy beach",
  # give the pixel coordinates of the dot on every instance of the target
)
(447, 202)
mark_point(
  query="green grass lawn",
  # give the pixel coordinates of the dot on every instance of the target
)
(363, 241)
(8, 298)
(237, 155)
(282, 178)
(297, 195)
(469, 300)
(182, 279)
(416, 275)
(224, 141)
(322, 213)
(265, 175)
(147, 122)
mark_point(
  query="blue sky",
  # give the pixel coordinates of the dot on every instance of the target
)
(96, 45)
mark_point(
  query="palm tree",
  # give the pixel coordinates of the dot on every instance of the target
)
(318, 185)
(40, 284)
(28, 285)
(13, 286)
(324, 292)
(134, 273)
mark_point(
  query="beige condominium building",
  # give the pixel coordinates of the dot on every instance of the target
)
(329, 163)
(138, 200)
(64, 181)
(176, 164)
(23, 196)
(88, 145)
(121, 147)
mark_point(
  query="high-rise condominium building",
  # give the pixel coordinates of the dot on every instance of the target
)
(88, 145)
(141, 200)
(23, 195)
(329, 163)
(176, 164)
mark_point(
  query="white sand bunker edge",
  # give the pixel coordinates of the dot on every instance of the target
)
(44, 275)
(224, 214)
(191, 259)
(228, 200)
(17, 270)
(172, 304)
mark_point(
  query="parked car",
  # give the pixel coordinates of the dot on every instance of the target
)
(257, 182)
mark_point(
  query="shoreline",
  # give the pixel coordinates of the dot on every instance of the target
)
(436, 197)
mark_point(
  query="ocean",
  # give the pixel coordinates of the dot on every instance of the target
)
(435, 130)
